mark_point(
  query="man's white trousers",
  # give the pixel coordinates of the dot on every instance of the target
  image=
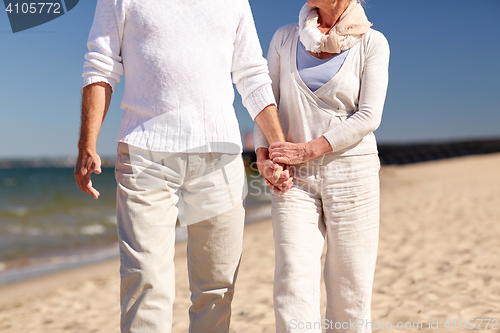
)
(212, 186)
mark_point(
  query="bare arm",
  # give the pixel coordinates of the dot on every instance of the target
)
(95, 103)
(270, 125)
(278, 177)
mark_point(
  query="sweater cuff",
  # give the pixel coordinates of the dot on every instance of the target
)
(259, 99)
(329, 137)
(97, 78)
(259, 140)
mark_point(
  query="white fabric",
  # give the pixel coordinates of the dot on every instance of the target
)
(337, 198)
(346, 33)
(179, 61)
(212, 186)
(346, 110)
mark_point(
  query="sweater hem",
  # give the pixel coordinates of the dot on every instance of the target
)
(212, 147)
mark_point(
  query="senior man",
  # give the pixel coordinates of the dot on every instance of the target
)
(179, 136)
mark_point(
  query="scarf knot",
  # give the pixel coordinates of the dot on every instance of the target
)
(346, 33)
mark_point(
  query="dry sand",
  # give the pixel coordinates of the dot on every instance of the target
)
(438, 259)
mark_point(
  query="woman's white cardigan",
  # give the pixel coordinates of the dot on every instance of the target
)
(346, 110)
(180, 60)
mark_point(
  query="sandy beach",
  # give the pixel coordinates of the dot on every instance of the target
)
(438, 261)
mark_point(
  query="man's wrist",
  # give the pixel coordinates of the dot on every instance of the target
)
(262, 153)
(269, 123)
(87, 149)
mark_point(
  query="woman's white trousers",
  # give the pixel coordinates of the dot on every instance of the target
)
(337, 199)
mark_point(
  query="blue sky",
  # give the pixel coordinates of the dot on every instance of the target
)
(444, 74)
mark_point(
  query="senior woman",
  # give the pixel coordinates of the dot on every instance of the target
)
(330, 76)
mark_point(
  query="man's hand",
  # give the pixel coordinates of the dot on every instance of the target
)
(278, 177)
(95, 103)
(284, 183)
(87, 162)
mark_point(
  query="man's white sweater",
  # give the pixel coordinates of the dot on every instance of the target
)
(180, 59)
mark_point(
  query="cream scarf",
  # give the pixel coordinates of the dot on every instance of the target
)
(348, 31)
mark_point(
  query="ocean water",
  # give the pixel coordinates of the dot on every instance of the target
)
(47, 223)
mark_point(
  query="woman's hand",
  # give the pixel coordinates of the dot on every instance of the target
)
(295, 153)
(289, 153)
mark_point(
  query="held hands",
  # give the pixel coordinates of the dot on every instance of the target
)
(285, 154)
(289, 153)
(274, 164)
(277, 176)
(87, 162)
(294, 153)
(283, 174)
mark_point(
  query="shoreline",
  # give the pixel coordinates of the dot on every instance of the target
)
(17, 271)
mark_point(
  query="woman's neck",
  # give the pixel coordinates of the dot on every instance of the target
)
(329, 15)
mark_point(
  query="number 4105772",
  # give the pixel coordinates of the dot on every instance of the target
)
(34, 8)
(471, 324)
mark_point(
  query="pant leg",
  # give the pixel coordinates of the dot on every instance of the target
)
(351, 209)
(213, 191)
(298, 237)
(214, 253)
(146, 216)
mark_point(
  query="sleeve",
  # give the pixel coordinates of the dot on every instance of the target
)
(103, 62)
(273, 60)
(249, 68)
(374, 81)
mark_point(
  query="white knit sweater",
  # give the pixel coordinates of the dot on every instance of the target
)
(180, 60)
(346, 110)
